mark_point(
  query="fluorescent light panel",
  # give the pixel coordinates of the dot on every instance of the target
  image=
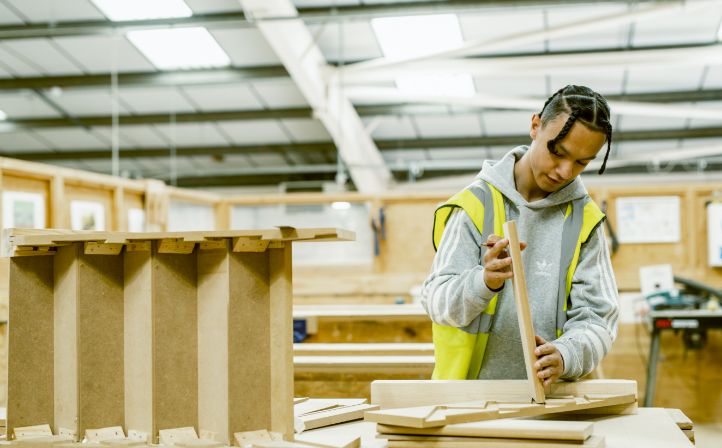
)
(408, 37)
(180, 48)
(121, 10)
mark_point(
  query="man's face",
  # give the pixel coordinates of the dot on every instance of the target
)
(580, 146)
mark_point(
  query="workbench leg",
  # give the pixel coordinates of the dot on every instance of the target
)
(652, 369)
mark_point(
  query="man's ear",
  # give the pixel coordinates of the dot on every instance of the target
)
(535, 126)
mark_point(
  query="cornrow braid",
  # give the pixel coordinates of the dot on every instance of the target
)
(583, 105)
(551, 144)
(558, 92)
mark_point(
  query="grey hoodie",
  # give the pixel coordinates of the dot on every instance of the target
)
(455, 293)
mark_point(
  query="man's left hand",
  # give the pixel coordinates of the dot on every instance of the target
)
(550, 365)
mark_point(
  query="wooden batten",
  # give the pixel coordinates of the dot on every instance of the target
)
(523, 312)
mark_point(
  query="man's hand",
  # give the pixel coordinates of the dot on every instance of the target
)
(550, 365)
(497, 262)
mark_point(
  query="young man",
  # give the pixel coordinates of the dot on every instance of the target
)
(572, 290)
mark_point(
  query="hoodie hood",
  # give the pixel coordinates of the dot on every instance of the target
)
(500, 174)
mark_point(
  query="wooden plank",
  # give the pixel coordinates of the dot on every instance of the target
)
(213, 336)
(59, 208)
(249, 342)
(357, 311)
(508, 428)
(334, 416)
(440, 415)
(138, 341)
(97, 248)
(352, 364)
(250, 245)
(100, 341)
(175, 246)
(649, 428)
(138, 246)
(680, 418)
(65, 303)
(592, 442)
(175, 340)
(281, 342)
(24, 432)
(30, 343)
(526, 326)
(408, 393)
(335, 441)
(101, 434)
(119, 214)
(363, 349)
(50, 237)
(322, 404)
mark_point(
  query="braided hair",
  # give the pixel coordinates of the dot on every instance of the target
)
(582, 104)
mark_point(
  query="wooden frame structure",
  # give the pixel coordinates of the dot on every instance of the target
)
(152, 331)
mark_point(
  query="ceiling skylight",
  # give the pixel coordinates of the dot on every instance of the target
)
(121, 10)
(408, 37)
(180, 48)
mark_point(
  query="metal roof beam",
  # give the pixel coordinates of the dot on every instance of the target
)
(165, 78)
(149, 119)
(383, 145)
(236, 19)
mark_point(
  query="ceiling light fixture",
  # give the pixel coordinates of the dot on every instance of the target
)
(409, 37)
(124, 10)
(180, 48)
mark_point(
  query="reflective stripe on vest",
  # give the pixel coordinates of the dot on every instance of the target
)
(485, 206)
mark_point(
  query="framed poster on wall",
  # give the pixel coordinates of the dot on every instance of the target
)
(136, 220)
(648, 219)
(714, 234)
(87, 215)
(23, 210)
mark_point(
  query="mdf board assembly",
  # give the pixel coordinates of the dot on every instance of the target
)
(152, 331)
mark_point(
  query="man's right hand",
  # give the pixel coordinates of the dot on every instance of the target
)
(497, 262)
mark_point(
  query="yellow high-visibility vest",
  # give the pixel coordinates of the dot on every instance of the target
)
(459, 352)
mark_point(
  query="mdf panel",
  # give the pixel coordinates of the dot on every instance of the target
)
(213, 357)
(30, 342)
(66, 338)
(100, 341)
(250, 351)
(138, 341)
(175, 340)
(88, 338)
(281, 328)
